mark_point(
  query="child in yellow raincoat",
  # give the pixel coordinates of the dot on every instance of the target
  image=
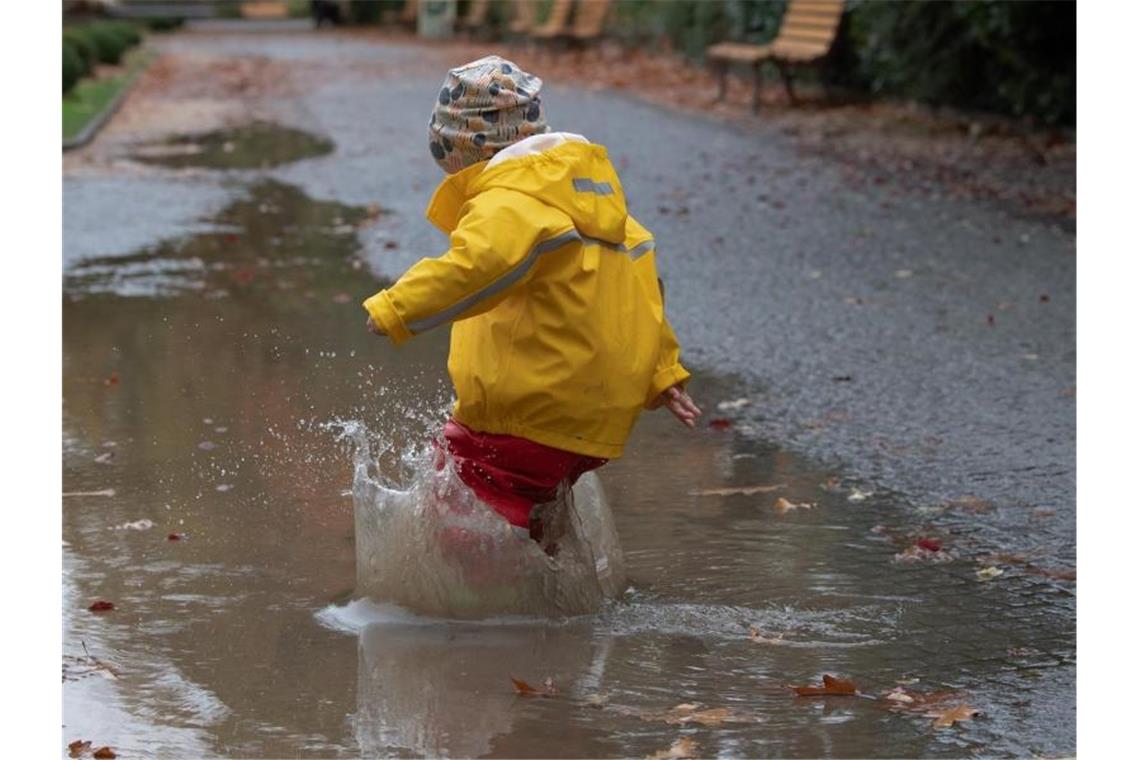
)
(559, 336)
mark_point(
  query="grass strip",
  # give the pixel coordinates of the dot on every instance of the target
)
(92, 96)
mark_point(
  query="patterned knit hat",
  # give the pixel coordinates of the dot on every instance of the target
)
(483, 107)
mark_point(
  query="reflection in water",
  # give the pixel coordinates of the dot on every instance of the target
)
(443, 690)
(257, 145)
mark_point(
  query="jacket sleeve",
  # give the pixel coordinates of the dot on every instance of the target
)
(669, 371)
(492, 252)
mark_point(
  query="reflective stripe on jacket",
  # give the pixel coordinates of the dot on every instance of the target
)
(560, 334)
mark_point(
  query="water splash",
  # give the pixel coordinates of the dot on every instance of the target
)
(424, 542)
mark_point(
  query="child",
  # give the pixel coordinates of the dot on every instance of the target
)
(560, 337)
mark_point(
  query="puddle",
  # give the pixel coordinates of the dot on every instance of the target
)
(258, 145)
(197, 375)
(274, 240)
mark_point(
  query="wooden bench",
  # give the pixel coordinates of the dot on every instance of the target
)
(524, 16)
(476, 16)
(576, 22)
(806, 35)
(556, 21)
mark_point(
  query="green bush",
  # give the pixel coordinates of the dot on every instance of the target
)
(1013, 58)
(128, 31)
(84, 46)
(72, 66)
(108, 43)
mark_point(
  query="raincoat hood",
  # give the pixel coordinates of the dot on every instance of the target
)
(575, 177)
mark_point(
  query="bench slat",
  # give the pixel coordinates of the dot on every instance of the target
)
(556, 21)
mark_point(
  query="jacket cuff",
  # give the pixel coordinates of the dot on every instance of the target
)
(384, 314)
(663, 381)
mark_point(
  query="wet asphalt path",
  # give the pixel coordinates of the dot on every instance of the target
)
(925, 347)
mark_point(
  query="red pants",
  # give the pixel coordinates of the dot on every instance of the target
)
(512, 474)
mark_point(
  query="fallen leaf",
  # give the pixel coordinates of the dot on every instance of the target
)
(899, 695)
(104, 753)
(720, 423)
(755, 635)
(175, 536)
(743, 490)
(950, 716)
(989, 573)
(683, 747)
(930, 544)
(101, 606)
(524, 689)
(832, 686)
(783, 505)
(112, 380)
(78, 747)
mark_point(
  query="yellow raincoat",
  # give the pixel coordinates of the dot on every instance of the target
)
(560, 334)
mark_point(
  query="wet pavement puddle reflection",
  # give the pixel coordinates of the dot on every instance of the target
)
(197, 375)
(258, 145)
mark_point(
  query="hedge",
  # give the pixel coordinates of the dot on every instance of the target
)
(73, 66)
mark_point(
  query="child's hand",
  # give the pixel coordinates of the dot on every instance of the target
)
(372, 328)
(682, 407)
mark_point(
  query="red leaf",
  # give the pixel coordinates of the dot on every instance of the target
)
(524, 689)
(78, 747)
(101, 606)
(832, 687)
(175, 536)
(720, 423)
(930, 544)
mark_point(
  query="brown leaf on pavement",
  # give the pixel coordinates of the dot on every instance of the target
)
(948, 717)
(524, 689)
(757, 636)
(78, 747)
(101, 606)
(683, 747)
(783, 505)
(104, 753)
(832, 686)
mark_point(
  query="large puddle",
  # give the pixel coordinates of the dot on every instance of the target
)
(207, 500)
